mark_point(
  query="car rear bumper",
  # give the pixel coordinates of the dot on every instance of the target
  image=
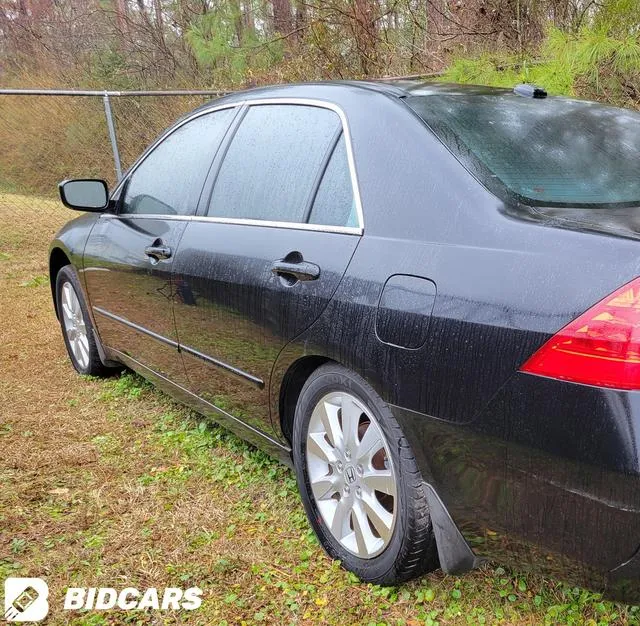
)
(623, 582)
(547, 475)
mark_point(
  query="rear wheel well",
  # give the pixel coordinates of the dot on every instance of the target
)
(292, 384)
(57, 260)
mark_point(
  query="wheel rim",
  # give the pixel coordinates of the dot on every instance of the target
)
(74, 325)
(353, 481)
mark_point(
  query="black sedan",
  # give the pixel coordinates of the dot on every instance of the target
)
(424, 297)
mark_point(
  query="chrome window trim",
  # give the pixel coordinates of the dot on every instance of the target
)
(349, 230)
(345, 230)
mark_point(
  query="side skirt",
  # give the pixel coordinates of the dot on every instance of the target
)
(238, 427)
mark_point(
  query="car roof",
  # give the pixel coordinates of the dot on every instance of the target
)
(431, 88)
(395, 88)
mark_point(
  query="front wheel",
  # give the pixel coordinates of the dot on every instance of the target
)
(359, 481)
(76, 325)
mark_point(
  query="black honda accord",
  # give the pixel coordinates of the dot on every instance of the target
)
(424, 297)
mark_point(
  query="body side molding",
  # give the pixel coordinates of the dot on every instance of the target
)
(234, 370)
(240, 428)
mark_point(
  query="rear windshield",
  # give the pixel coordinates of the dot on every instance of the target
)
(550, 152)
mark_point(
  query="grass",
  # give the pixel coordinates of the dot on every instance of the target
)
(593, 63)
(111, 483)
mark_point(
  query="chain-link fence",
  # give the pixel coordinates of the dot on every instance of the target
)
(49, 135)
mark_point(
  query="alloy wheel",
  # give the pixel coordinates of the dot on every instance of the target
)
(352, 477)
(74, 325)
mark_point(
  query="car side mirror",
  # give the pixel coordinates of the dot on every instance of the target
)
(84, 194)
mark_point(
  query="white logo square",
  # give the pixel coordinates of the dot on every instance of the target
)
(25, 599)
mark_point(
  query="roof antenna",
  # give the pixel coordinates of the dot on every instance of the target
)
(530, 91)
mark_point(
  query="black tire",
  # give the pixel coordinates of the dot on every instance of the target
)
(411, 550)
(93, 365)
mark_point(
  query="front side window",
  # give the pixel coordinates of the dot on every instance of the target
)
(170, 179)
(272, 167)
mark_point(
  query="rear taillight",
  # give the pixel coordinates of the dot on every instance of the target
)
(601, 347)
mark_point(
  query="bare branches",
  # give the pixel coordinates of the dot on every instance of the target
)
(161, 43)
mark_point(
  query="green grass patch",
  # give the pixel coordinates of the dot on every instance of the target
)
(36, 281)
(596, 62)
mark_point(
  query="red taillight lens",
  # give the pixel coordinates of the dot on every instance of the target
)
(601, 347)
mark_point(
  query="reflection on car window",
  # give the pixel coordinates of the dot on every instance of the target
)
(273, 162)
(334, 204)
(169, 180)
(551, 152)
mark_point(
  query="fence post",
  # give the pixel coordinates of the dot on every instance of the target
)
(112, 135)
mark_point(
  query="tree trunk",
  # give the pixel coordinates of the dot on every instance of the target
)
(247, 17)
(122, 22)
(157, 7)
(301, 18)
(282, 16)
(365, 34)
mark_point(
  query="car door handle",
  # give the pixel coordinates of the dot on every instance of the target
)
(302, 270)
(158, 252)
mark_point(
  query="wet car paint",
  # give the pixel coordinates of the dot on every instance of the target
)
(533, 471)
(123, 283)
(242, 314)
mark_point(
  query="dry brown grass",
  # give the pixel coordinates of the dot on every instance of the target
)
(110, 483)
(46, 139)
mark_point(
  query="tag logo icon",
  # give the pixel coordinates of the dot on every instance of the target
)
(25, 599)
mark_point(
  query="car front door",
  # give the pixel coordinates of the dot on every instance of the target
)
(129, 256)
(260, 263)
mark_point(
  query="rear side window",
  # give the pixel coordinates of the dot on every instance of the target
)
(170, 179)
(551, 152)
(270, 171)
(334, 204)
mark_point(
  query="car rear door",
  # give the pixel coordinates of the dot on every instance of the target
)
(271, 243)
(130, 253)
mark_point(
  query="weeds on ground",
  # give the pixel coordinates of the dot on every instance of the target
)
(111, 483)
